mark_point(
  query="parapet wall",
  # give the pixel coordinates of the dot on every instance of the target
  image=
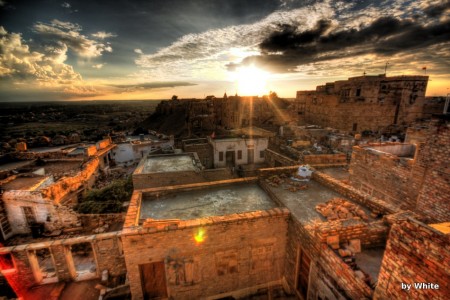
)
(326, 159)
(376, 205)
(275, 159)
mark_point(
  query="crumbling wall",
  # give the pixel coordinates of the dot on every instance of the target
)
(239, 251)
(107, 249)
(29, 155)
(329, 276)
(15, 200)
(415, 253)
(85, 178)
(44, 211)
(98, 221)
(371, 234)
(385, 176)
(343, 278)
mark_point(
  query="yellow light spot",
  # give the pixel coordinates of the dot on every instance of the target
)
(199, 236)
(251, 81)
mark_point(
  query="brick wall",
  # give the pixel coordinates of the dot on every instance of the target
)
(370, 234)
(414, 253)
(239, 251)
(385, 176)
(326, 159)
(434, 197)
(375, 204)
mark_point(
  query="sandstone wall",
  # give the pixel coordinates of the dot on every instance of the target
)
(239, 251)
(85, 178)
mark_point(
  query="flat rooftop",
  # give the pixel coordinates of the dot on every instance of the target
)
(302, 203)
(168, 163)
(25, 183)
(214, 201)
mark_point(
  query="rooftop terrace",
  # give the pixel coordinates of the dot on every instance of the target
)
(166, 163)
(215, 201)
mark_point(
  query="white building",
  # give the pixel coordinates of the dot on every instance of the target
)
(230, 152)
(129, 153)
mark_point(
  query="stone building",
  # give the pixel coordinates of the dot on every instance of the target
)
(364, 103)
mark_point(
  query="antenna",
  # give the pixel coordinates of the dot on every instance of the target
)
(385, 68)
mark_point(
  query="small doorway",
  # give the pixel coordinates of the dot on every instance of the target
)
(153, 280)
(83, 261)
(302, 278)
(28, 212)
(230, 158)
(355, 126)
(250, 155)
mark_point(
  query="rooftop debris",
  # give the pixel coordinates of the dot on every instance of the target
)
(340, 209)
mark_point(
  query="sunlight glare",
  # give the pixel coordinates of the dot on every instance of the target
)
(250, 81)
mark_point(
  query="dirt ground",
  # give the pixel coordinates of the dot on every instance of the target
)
(83, 290)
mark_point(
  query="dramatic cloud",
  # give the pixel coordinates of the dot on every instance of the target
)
(18, 62)
(206, 54)
(288, 41)
(287, 48)
(98, 66)
(59, 33)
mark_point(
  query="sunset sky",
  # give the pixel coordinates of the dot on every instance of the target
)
(122, 49)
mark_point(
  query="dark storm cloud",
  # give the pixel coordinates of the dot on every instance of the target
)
(286, 48)
(437, 9)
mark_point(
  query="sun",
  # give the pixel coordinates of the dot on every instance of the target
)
(250, 81)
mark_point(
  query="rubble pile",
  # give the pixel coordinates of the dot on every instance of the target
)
(348, 256)
(276, 180)
(296, 186)
(340, 209)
